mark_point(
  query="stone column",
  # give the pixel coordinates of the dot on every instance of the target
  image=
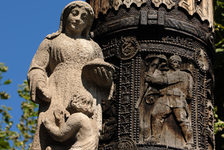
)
(163, 54)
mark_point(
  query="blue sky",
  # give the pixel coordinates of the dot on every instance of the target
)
(23, 25)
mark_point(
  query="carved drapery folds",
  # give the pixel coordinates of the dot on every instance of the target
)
(162, 51)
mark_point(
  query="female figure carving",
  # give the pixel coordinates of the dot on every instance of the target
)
(68, 78)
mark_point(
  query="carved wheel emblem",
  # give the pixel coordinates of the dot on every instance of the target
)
(202, 60)
(127, 144)
(128, 48)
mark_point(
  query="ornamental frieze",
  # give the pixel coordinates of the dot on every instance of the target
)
(105, 5)
(203, 8)
(169, 3)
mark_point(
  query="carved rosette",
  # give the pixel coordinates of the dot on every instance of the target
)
(163, 54)
(129, 47)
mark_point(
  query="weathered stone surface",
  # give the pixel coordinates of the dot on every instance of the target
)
(68, 78)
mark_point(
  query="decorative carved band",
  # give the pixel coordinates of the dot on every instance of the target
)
(104, 5)
(169, 3)
(203, 8)
(155, 18)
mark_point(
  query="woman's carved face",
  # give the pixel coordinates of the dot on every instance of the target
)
(77, 20)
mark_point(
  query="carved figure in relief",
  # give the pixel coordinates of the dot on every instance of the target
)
(176, 89)
(68, 78)
(155, 63)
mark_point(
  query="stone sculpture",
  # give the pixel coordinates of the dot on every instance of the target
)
(68, 78)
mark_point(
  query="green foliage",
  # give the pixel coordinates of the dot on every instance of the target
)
(219, 124)
(219, 72)
(3, 94)
(219, 25)
(6, 123)
(21, 138)
(28, 120)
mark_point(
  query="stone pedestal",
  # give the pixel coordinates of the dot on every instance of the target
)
(157, 104)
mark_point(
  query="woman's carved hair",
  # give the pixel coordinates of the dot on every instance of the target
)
(66, 11)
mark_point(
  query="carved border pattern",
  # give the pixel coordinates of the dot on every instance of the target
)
(205, 142)
(164, 20)
(127, 144)
(110, 49)
(159, 48)
(138, 61)
(125, 99)
(169, 3)
(204, 9)
(155, 147)
(102, 6)
(194, 107)
(108, 147)
(201, 111)
(117, 24)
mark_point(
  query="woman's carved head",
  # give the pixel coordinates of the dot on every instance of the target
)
(76, 16)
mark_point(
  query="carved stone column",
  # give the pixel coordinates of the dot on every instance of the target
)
(163, 54)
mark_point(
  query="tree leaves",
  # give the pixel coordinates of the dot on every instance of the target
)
(219, 71)
(3, 68)
(22, 137)
(3, 94)
(28, 120)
